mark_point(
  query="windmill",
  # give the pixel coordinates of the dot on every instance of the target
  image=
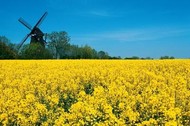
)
(35, 33)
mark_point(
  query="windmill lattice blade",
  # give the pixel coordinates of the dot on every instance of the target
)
(25, 23)
(41, 19)
(22, 42)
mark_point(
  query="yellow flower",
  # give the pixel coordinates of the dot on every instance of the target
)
(171, 123)
(118, 92)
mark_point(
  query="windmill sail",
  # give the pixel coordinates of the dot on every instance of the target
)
(35, 33)
(25, 23)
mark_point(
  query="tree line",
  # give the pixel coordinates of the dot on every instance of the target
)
(58, 47)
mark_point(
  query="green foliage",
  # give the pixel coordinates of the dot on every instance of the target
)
(12, 46)
(6, 52)
(35, 51)
(58, 47)
(66, 102)
(167, 57)
(88, 88)
(115, 57)
(147, 58)
(4, 40)
(58, 43)
(84, 52)
(138, 58)
(72, 52)
(133, 58)
(88, 53)
(103, 55)
(116, 110)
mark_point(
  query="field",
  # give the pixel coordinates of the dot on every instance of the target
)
(95, 92)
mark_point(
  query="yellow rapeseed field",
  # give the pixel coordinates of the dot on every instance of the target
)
(95, 92)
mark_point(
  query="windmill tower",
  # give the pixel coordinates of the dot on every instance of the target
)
(37, 36)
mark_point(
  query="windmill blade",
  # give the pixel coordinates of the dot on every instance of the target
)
(22, 42)
(41, 19)
(25, 23)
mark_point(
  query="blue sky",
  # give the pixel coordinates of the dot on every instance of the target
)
(120, 27)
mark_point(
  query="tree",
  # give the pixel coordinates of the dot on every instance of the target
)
(35, 51)
(75, 51)
(5, 40)
(172, 57)
(6, 52)
(72, 52)
(103, 55)
(88, 53)
(149, 58)
(166, 57)
(58, 43)
(115, 57)
(133, 58)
